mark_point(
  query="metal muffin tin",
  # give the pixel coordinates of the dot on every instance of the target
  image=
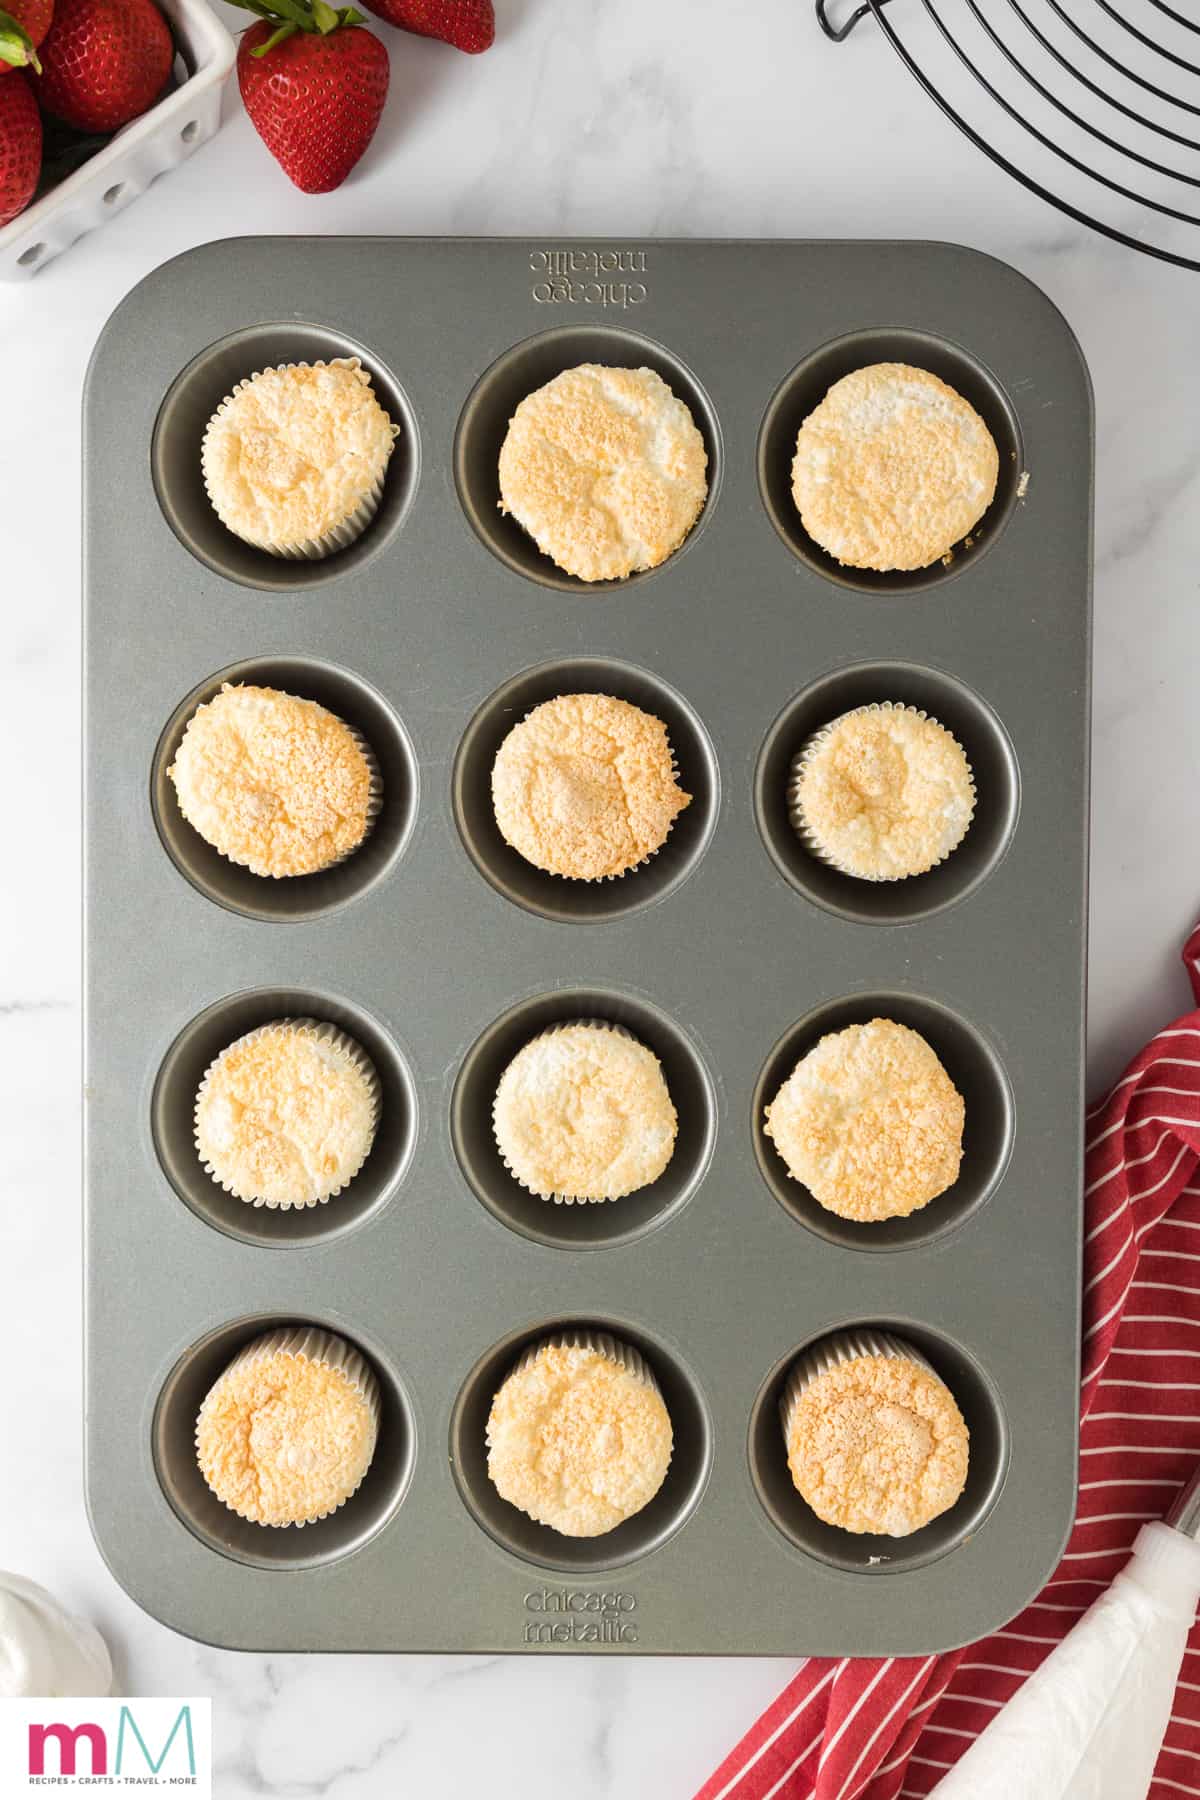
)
(442, 952)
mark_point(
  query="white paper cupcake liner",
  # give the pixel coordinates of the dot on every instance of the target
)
(809, 748)
(374, 798)
(354, 1053)
(840, 1347)
(340, 536)
(308, 1343)
(558, 1199)
(614, 1350)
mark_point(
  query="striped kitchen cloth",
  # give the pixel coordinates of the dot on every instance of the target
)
(889, 1729)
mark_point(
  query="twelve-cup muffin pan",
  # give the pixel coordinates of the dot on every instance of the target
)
(442, 952)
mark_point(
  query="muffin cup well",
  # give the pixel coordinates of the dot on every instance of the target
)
(565, 898)
(309, 1343)
(340, 1040)
(340, 536)
(570, 1199)
(810, 748)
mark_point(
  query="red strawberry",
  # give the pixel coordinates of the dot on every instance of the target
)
(104, 62)
(20, 145)
(314, 91)
(467, 24)
(22, 27)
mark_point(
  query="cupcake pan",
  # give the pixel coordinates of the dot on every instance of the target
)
(728, 953)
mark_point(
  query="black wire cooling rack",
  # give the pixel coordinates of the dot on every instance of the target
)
(1091, 104)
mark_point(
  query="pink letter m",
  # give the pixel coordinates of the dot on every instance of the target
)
(67, 1737)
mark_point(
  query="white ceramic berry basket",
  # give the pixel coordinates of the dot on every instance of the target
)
(160, 140)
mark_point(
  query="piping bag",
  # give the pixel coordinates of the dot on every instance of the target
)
(1088, 1724)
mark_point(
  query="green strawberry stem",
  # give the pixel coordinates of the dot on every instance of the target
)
(16, 45)
(290, 16)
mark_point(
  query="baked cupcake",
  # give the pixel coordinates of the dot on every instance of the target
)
(605, 469)
(286, 1115)
(274, 782)
(892, 469)
(875, 1440)
(882, 793)
(294, 459)
(583, 1113)
(869, 1122)
(287, 1432)
(579, 1436)
(585, 786)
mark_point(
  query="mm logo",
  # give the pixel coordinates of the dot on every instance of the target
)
(132, 1752)
(138, 1742)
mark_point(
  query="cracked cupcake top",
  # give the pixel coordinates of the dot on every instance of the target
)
(577, 1439)
(605, 469)
(877, 1444)
(294, 451)
(882, 793)
(285, 1116)
(870, 1122)
(273, 782)
(893, 468)
(583, 1113)
(585, 786)
(288, 1431)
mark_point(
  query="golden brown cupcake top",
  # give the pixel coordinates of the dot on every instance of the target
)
(893, 468)
(578, 1440)
(273, 782)
(284, 1437)
(295, 450)
(883, 793)
(870, 1122)
(583, 1112)
(877, 1444)
(585, 786)
(286, 1115)
(605, 469)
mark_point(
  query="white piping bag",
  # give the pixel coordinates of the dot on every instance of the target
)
(1089, 1724)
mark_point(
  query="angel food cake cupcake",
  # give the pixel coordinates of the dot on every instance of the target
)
(286, 1115)
(605, 469)
(882, 793)
(875, 1439)
(286, 1434)
(869, 1122)
(892, 469)
(579, 1436)
(583, 1113)
(294, 459)
(585, 787)
(274, 782)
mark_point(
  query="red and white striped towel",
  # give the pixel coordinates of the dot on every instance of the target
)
(882, 1730)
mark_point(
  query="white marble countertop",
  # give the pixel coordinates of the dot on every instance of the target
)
(680, 118)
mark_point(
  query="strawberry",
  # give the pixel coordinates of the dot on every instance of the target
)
(314, 84)
(467, 24)
(20, 145)
(22, 28)
(104, 62)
